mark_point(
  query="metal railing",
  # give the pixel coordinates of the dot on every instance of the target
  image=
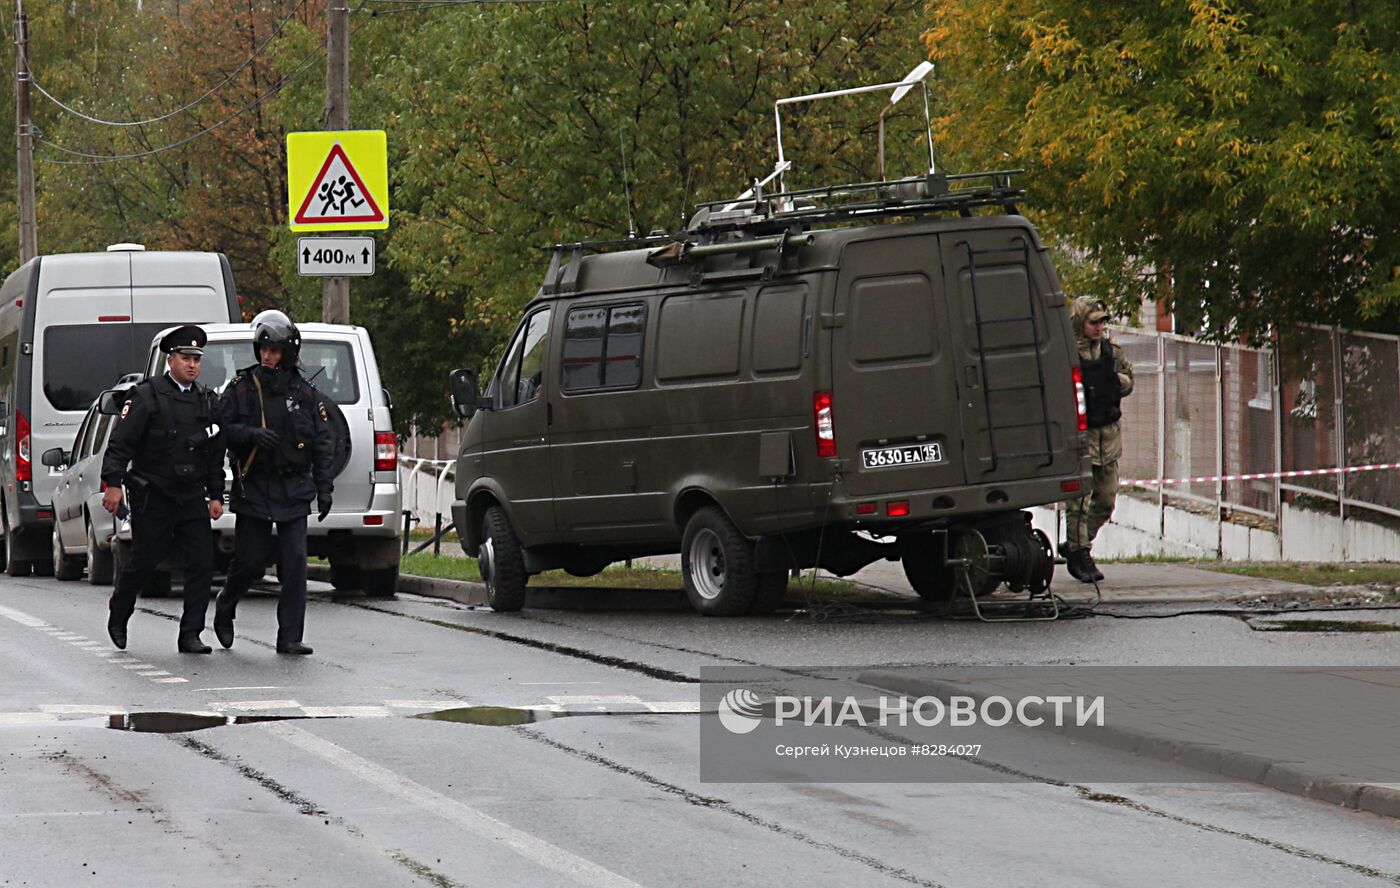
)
(1325, 398)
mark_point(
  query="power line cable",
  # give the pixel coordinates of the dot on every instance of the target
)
(91, 159)
(218, 86)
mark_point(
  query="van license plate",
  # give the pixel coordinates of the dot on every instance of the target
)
(908, 455)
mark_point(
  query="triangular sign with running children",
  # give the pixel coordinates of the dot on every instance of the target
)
(337, 181)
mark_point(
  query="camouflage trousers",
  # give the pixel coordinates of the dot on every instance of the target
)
(1084, 517)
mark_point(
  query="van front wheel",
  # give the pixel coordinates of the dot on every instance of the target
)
(501, 563)
(717, 562)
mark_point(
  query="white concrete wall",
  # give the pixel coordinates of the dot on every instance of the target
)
(1138, 529)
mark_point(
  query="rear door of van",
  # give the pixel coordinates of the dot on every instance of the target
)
(83, 341)
(1010, 351)
(895, 397)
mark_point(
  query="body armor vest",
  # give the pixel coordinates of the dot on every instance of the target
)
(1103, 391)
(287, 410)
(174, 449)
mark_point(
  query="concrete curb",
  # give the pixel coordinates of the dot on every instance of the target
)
(545, 597)
(1290, 777)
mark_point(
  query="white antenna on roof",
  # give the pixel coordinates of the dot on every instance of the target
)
(901, 88)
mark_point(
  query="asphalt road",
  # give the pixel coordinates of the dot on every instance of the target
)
(345, 787)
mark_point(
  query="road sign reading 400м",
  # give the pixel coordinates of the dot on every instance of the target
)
(322, 256)
(337, 181)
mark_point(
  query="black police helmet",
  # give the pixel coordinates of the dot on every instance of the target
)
(274, 328)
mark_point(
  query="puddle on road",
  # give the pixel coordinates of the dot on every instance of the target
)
(184, 722)
(1328, 626)
(495, 716)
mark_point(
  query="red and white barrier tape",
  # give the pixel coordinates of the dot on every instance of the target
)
(1257, 476)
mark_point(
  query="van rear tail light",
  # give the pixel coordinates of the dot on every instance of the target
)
(897, 509)
(1069, 486)
(826, 427)
(1080, 408)
(23, 471)
(386, 452)
(866, 509)
(374, 521)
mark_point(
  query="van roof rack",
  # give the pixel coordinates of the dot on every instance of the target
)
(783, 210)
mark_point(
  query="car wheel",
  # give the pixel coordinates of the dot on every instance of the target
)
(65, 566)
(501, 562)
(717, 563)
(15, 567)
(382, 582)
(345, 577)
(99, 560)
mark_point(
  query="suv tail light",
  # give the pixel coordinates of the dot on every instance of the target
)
(386, 452)
(1080, 409)
(23, 471)
(826, 426)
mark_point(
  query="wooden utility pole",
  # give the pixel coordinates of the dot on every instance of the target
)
(335, 290)
(24, 131)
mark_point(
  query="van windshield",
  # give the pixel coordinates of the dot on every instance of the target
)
(82, 360)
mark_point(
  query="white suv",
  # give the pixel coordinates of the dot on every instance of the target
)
(361, 536)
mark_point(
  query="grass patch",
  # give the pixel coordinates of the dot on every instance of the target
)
(615, 576)
(1315, 574)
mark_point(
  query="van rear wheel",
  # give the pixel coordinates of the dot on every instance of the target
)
(717, 563)
(501, 562)
(15, 567)
(921, 555)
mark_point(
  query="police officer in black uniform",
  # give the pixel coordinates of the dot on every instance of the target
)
(280, 442)
(167, 450)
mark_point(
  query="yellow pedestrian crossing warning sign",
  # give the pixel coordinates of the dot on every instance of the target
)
(337, 181)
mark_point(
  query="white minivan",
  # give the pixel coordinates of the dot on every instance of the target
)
(71, 325)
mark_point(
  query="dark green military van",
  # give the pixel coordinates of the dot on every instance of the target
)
(793, 381)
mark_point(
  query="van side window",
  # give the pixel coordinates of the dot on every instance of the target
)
(603, 347)
(698, 337)
(522, 372)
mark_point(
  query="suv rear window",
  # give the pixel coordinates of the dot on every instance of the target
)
(330, 366)
(82, 360)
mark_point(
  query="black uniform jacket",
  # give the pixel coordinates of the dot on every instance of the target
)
(169, 439)
(280, 483)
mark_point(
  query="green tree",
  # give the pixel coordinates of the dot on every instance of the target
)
(1238, 158)
(510, 125)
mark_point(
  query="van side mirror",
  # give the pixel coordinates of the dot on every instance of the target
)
(109, 403)
(465, 399)
(55, 457)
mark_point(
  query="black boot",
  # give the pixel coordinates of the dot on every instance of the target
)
(190, 644)
(223, 627)
(292, 647)
(1074, 563)
(116, 628)
(1091, 566)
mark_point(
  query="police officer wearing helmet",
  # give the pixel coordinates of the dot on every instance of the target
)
(167, 450)
(279, 441)
(1108, 378)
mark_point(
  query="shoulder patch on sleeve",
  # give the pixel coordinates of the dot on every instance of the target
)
(321, 409)
(126, 408)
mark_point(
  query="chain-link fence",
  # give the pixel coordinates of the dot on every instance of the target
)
(1325, 399)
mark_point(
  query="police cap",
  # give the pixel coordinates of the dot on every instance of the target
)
(186, 340)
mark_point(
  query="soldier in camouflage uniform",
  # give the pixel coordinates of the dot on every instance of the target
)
(1108, 378)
